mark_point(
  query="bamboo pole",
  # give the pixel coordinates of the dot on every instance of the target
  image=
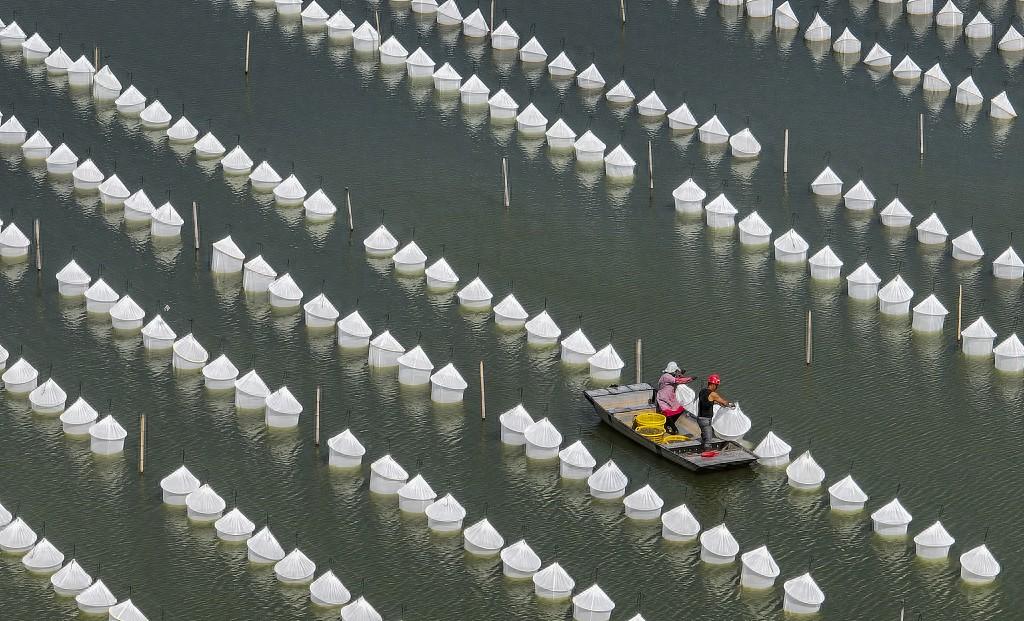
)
(142, 444)
(622, 11)
(96, 58)
(785, 152)
(39, 246)
(376, 16)
(483, 398)
(492, 16)
(650, 166)
(195, 224)
(504, 178)
(348, 203)
(920, 132)
(639, 360)
(316, 419)
(808, 340)
(959, 313)
(248, 39)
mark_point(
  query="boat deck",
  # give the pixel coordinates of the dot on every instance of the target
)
(619, 405)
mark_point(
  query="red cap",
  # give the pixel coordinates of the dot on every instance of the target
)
(714, 379)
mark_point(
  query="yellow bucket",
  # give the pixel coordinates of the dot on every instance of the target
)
(675, 438)
(654, 434)
(650, 419)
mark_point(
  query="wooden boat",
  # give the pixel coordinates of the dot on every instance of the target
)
(619, 405)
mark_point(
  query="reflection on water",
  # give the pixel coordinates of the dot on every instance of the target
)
(603, 248)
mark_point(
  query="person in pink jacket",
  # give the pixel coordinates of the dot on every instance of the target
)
(666, 400)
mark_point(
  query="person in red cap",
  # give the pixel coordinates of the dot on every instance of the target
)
(706, 400)
(668, 403)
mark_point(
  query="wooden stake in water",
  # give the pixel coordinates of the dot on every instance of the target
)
(807, 340)
(483, 398)
(348, 203)
(650, 166)
(639, 360)
(316, 419)
(785, 152)
(96, 58)
(959, 312)
(142, 444)
(248, 38)
(492, 16)
(920, 132)
(504, 178)
(376, 17)
(39, 246)
(195, 224)
(622, 11)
